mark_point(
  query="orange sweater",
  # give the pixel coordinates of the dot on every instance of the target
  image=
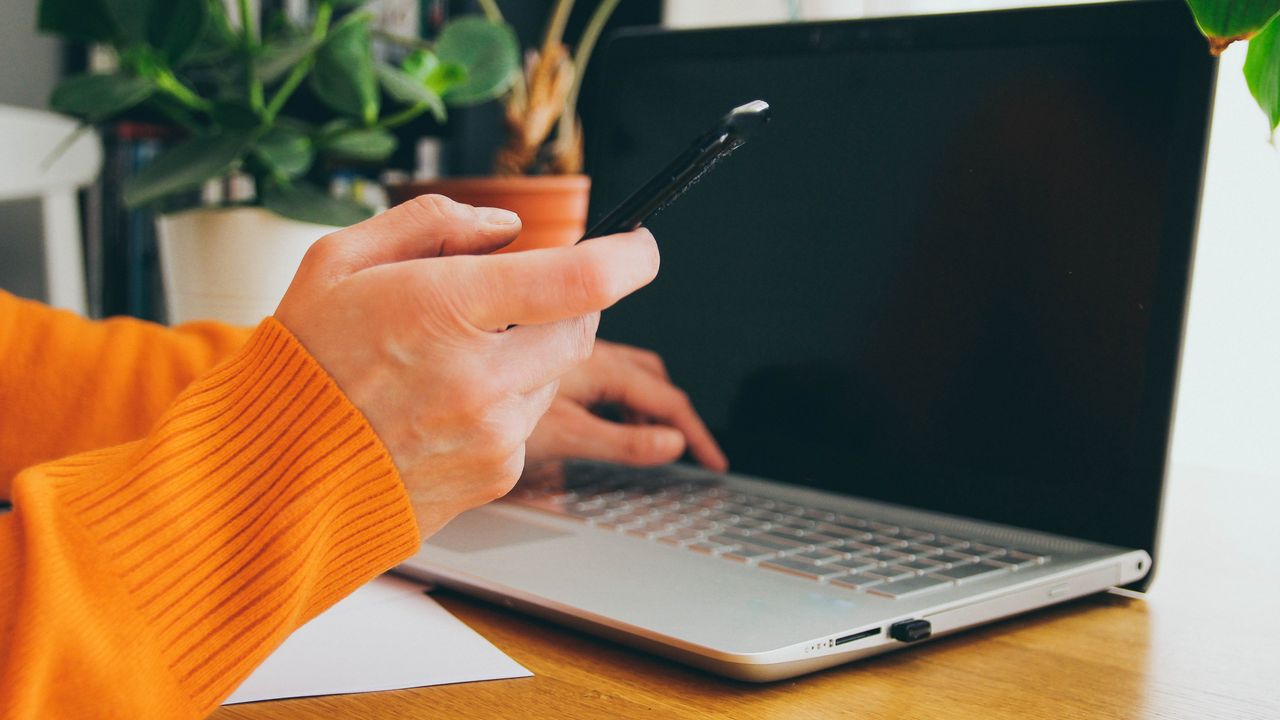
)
(147, 579)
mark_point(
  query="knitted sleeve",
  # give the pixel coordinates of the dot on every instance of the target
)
(68, 385)
(148, 579)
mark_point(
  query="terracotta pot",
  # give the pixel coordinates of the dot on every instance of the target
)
(552, 208)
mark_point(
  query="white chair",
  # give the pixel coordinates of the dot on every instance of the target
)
(30, 170)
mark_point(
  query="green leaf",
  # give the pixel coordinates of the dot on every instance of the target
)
(307, 203)
(446, 76)
(1262, 70)
(99, 97)
(343, 76)
(419, 64)
(366, 145)
(185, 167)
(175, 26)
(337, 125)
(286, 152)
(405, 89)
(1225, 21)
(80, 20)
(131, 17)
(279, 57)
(489, 53)
(235, 115)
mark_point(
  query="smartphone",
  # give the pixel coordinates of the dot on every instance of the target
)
(688, 168)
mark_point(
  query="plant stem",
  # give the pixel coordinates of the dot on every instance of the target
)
(171, 85)
(256, 100)
(581, 57)
(555, 26)
(491, 11)
(404, 116)
(324, 13)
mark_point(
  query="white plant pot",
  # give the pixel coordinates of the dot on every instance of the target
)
(230, 264)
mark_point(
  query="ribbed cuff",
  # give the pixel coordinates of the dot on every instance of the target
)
(260, 499)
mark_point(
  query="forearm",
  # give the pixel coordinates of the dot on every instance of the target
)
(68, 384)
(147, 580)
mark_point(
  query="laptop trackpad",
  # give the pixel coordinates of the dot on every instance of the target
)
(480, 529)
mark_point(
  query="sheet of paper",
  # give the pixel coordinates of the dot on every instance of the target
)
(387, 635)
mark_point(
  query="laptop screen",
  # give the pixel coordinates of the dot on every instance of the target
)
(950, 273)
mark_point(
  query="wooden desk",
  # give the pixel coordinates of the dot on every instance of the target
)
(1204, 644)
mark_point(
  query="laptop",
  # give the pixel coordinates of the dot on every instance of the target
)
(932, 313)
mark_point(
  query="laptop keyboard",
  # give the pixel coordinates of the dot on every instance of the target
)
(843, 550)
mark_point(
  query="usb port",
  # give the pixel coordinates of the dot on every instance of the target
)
(857, 636)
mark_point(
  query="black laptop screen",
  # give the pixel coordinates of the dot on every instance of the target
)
(949, 274)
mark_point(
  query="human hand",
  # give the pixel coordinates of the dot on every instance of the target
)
(406, 312)
(665, 423)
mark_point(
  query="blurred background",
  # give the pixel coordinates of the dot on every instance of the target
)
(1230, 384)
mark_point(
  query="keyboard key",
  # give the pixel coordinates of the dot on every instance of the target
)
(985, 550)
(1017, 561)
(850, 521)
(889, 573)
(1024, 556)
(818, 515)
(819, 556)
(702, 524)
(843, 532)
(893, 556)
(919, 550)
(887, 541)
(858, 563)
(910, 587)
(816, 538)
(922, 565)
(798, 522)
(707, 548)
(957, 558)
(914, 535)
(774, 542)
(648, 529)
(726, 538)
(950, 542)
(803, 569)
(884, 528)
(857, 582)
(744, 553)
(753, 524)
(967, 573)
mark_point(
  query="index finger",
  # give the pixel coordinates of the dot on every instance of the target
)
(663, 401)
(541, 286)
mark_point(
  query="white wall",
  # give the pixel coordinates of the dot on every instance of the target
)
(1229, 404)
(1229, 400)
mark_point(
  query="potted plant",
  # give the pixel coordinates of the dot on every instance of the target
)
(1258, 22)
(230, 90)
(538, 170)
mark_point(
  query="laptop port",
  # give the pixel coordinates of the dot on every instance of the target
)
(857, 636)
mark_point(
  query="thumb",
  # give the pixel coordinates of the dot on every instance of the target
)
(585, 435)
(426, 226)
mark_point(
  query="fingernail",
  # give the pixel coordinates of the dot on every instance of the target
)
(498, 216)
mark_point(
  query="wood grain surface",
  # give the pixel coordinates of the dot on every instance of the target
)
(1203, 644)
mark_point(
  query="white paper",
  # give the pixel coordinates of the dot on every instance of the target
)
(388, 635)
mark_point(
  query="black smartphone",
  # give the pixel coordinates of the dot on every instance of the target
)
(688, 168)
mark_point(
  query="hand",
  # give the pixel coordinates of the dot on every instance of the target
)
(406, 312)
(637, 381)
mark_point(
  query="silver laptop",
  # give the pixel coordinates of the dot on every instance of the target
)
(932, 313)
